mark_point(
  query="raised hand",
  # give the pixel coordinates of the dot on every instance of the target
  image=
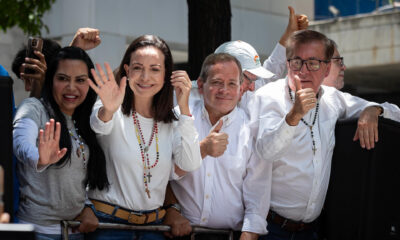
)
(107, 89)
(215, 143)
(49, 149)
(305, 100)
(367, 127)
(296, 22)
(302, 21)
(86, 38)
(34, 81)
(182, 84)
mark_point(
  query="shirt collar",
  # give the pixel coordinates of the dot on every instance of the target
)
(227, 119)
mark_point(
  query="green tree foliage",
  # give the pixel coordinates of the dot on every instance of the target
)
(26, 14)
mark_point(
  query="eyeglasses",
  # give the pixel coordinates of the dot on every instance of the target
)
(339, 60)
(312, 64)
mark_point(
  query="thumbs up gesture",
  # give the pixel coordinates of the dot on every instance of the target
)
(296, 22)
(215, 143)
(305, 100)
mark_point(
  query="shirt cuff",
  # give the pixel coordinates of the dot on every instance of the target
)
(185, 117)
(254, 223)
(98, 125)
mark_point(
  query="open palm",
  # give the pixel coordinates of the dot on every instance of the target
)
(110, 93)
(49, 148)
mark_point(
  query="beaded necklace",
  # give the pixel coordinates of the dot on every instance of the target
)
(78, 139)
(310, 126)
(144, 150)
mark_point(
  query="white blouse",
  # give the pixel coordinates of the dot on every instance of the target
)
(178, 144)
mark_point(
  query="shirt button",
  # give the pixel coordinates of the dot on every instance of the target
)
(207, 196)
(209, 174)
(204, 219)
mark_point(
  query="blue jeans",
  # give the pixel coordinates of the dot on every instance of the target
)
(275, 232)
(43, 236)
(119, 234)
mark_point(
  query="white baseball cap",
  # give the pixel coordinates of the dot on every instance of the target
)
(247, 57)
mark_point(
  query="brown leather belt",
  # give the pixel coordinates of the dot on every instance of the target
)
(131, 216)
(287, 224)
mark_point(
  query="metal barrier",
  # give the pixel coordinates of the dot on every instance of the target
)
(160, 228)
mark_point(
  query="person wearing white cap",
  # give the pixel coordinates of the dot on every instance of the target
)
(255, 74)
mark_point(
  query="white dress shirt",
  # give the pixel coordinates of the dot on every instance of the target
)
(299, 178)
(178, 144)
(230, 191)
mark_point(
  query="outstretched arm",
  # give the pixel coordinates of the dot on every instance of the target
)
(49, 140)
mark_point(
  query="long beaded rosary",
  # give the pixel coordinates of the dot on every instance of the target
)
(307, 124)
(144, 150)
(78, 139)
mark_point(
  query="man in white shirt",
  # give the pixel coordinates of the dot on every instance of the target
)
(336, 79)
(229, 190)
(295, 120)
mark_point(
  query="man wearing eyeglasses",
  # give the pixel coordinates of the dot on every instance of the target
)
(336, 79)
(336, 75)
(295, 121)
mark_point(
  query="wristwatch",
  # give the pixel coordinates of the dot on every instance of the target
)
(176, 206)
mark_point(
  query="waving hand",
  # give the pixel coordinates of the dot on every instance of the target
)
(110, 93)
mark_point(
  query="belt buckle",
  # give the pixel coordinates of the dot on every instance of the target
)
(284, 223)
(301, 228)
(136, 218)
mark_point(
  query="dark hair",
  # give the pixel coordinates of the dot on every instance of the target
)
(215, 58)
(96, 166)
(49, 50)
(335, 46)
(308, 36)
(162, 105)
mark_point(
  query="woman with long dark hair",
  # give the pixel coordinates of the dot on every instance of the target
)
(143, 138)
(58, 152)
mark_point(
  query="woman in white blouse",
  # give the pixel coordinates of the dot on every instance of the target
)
(144, 140)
